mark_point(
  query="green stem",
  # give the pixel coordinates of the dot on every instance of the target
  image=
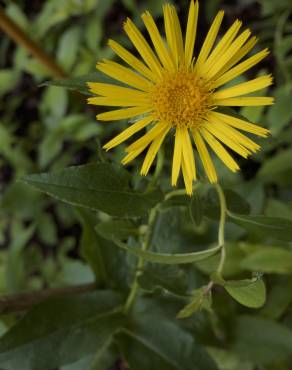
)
(174, 193)
(221, 231)
(146, 243)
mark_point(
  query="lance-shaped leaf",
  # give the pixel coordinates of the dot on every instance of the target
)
(98, 186)
(273, 227)
(169, 258)
(61, 331)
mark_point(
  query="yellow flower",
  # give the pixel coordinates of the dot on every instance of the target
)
(172, 91)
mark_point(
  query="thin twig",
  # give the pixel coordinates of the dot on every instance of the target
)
(20, 37)
(23, 301)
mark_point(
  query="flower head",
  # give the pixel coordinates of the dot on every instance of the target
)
(171, 90)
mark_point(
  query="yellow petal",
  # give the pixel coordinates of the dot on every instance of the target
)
(232, 133)
(119, 101)
(187, 180)
(115, 91)
(209, 41)
(152, 151)
(216, 131)
(205, 157)
(158, 43)
(220, 151)
(242, 125)
(178, 34)
(148, 137)
(240, 68)
(124, 113)
(132, 60)
(244, 88)
(245, 101)
(242, 52)
(222, 46)
(173, 33)
(132, 155)
(191, 32)
(123, 136)
(188, 155)
(142, 46)
(124, 74)
(229, 53)
(177, 156)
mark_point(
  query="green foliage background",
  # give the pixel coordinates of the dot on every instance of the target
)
(91, 229)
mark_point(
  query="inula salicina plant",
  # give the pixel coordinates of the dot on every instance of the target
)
(157, 236)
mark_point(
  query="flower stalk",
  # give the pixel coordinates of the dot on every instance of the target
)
(145, 245)
(221, 231)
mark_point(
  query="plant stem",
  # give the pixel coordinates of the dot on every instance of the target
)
(140, 264)
(174, 193)
(23, 301)
(221, 231)
(146, 242)
(135, 285)
(18, 35)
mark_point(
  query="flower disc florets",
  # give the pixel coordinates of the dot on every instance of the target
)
(181, 99)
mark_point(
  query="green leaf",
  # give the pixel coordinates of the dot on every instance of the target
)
(276, 208)
(61, 331)
(278, 301)
(235, 253)
(269, 260)
(280, 114)
(277, 164)
(109, 264)
(90, 248)
(105, 357)
(14, 266)
(98, 186)
(78, 83)
(50, 147)
(47, 229)
(168, 258)
(199, 297)
(196, 209)
(235, 203)
(261, 340)
(175, 201)
(8, 79)
(167, 277)
(140, 354)
(116, 229)
(68, 47)
(82, 364)
(164, 344)
(174, 231)
(54, 103)
(271, 227)
(249, 293)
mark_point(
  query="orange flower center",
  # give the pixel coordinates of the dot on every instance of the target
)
(181, 99)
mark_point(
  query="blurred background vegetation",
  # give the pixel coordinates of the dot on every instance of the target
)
(43, 128)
